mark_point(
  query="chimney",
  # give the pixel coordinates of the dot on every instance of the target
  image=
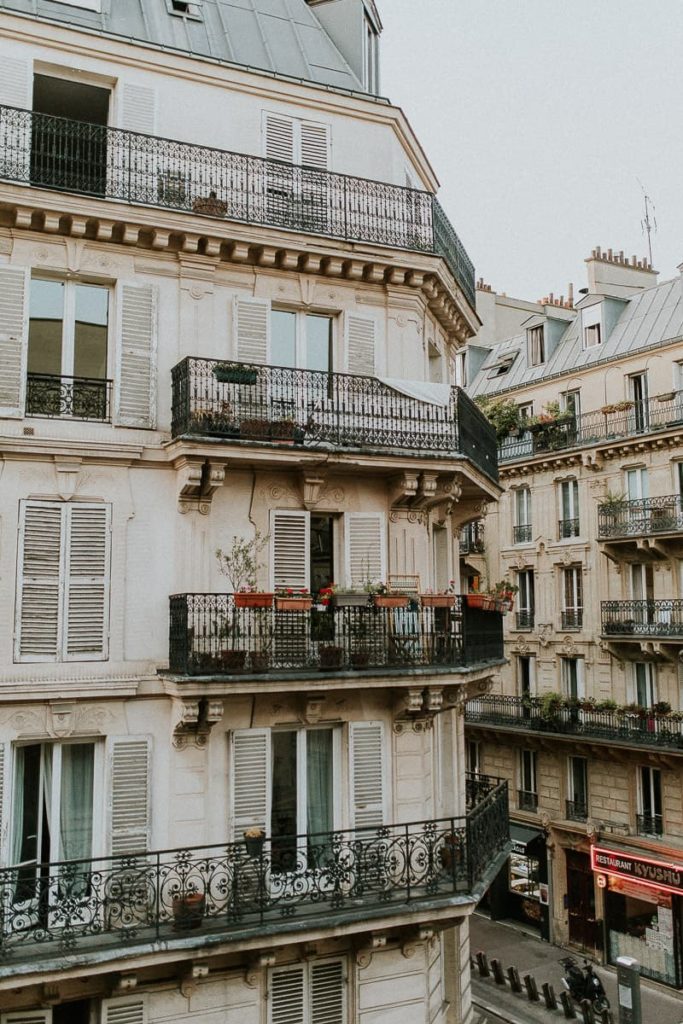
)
(610, 273)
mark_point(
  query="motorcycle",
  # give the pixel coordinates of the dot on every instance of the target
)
(583, 983)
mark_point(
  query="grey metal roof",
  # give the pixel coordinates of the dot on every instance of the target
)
(649, 318)
(280, 36)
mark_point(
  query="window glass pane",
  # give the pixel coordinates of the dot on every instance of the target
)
(283, 338)
(76, 801)
(46, 314)
(27, 804)
(90, 331)
(318, 343)
(284, 805)
(319, 780)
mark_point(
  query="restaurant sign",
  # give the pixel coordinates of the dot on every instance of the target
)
(656, 874)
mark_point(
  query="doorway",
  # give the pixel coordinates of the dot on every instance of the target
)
(69, 135)
(583, 927)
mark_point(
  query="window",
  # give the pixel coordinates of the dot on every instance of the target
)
(638, 393)
(569, 509)
(295, 142)
(527, 795)
(536, 345)
(301, 340)
(526, 411)
(591, 336)
(577, 804)
(308, 993)
(525, 599)
(526, 675)
(501, 367)
(650, 821)
(473, 756)
(65, 155)
(570, 401)
(637, 485)
(522, 528)
(572, 597)
(572, 675)
(67, 349)
(186, 8)
(62, 607)
(645, 683)
(679, 478)
(302, 793)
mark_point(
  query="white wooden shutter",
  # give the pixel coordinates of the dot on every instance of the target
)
(360, 345)
(367, 774)
(129, 795)
(136, 406)
(124, 1011)
(13, 340)
(4, 774)
(252, 330)
(290, 547)
(138, 109)
(86, 605)
(315, 145)
(279, 137)
(39, 581)
(250, 781)
(27, 1017)
(287, 996)
(14, 82)
(365, 537)
(327, 993)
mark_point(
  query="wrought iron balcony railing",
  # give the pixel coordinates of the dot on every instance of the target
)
(643, 517)
(79, 398)
(210, 636)
(649, 824)
(521, 534)
(111, 163)
(472, 538)
(660, 618)
(596, 427)
(311, 408)
(524, 618)
(642, 728)
(527, 800)
(245, 888)
(576, 810)
(568, 528)
(572, 618)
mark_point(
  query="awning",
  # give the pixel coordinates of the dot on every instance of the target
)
(526, 839)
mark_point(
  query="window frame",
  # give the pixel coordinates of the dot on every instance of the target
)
(536, 354)
(300, 336)
(656, 792)
(571, 788)
(69, 323)
(338, 780)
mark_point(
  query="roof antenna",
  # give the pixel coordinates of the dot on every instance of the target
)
(648, 223)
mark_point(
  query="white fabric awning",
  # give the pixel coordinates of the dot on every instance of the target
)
(422, 390)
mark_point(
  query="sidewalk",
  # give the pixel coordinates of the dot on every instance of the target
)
(531, 955)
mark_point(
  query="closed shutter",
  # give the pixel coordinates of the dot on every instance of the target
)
(86, 610)
(3, 802)
(367, 774)
(327, 993)
(27, 1017)
(360, 345)
(124, 1011)
(365, 535)
(136, 405)
(279, 137)
(13, 340)
(39, 582)
(138, 108)
(14, 82)
(288, 996)
(129, 795)
(315, 145)
(252, 330)
(250, 781)
(290, 546)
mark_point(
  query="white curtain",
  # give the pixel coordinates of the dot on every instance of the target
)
(76, 801)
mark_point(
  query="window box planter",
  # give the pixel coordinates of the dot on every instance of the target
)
(188, 911)
(233, 661)
(437, 600)
(228, 373)
(350, 600)
(263, 600)
(360, 659)
(255, 430)
(285, 431)
(293, 604)
(331, 657)
(210, 206)
(390, 600)
(482, 601)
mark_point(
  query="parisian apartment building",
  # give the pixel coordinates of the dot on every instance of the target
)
(235, 462)
(587, 394)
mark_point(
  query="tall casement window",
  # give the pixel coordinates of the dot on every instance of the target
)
(569, 525)
(309, 993)
(473, 756)
(644, 683)
(570, 401)
(62, 602)
(301, 340)
(573, 679)
(526, 675)
(577, 804)
(637, 484)
(650, 820)
(639, 395)
(522, 527)
(525, 599)
(536, 345)
(527, 795)
(572, 597)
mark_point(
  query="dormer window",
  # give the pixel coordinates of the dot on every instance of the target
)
(536, 345)
(371, 61)
(591, 336)
(185, 8)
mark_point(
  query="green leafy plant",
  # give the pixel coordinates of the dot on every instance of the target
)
(551, 703)
(613, 500)
(502, 414)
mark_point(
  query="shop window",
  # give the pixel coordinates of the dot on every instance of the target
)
(641, 923)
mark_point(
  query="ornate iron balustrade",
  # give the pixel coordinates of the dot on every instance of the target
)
(660, 618)
(527, 800)
(641, 517)
(521, 534)
(78, 907)
(281, 405)
(644, 728)
(209, 635)
(568, 528)
(524, 618)
(576, 810)
(471, 539)
(572, 618)
(79, 398)
(111, 163)
(478, 786)
(596, 427)
(649, 824)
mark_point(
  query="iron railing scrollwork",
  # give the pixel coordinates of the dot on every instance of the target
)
(524, 618)
(576, 810)
(641, 517)
(649, 824)
(527, 800)
(656, 618)
(572, 618)
(522, 534)
(80, 398)
(568, 528)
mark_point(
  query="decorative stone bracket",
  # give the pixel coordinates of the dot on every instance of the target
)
(199, 480)
(378, 940)
(255, 967)
(416, 708)
(197, 718)
(189, 983)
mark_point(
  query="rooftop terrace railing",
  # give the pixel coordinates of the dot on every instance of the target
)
(111, 163)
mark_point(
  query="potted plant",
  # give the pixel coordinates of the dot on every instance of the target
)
(255, 429)
(613, 501)
(235, 373)
(445, 599)
(382, 597)
(331, 657)
(254, 838)
(503, 594)
(662, 707)
(502, 414)
(286, 431)
(188, 910)
(348, 597)
(287, 599)
(240, 564)
(210, 206)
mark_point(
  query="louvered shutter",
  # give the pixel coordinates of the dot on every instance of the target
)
(250, 781)
(315, 145)
(129, 795)
(279, 137)
(14, 82)
(367, 774)
(327, 993)
(27, 1017)
(290, 547)
(365, 535)
(288, 996)
(39, 582)
(360, 345)
(252, 330)
(86, 604)
(3, 804)
(124, 1011)
(138, 109)
(13, 340)
(136, 406)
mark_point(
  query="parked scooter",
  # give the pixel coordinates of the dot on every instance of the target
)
(583, 983)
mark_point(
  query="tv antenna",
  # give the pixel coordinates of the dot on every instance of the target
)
(649, 221)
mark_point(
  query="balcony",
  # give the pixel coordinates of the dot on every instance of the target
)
(314, 409)
(596, 427)
(576, 810)
(78, 398)
(649, 825)
(524, 618)
(113, 164)
(234, 891)
(568, 528)
(572, 618)
(643, 517)
(646, 729)
(527, 800)
(631, 620)
(521, 534)
(209, 636)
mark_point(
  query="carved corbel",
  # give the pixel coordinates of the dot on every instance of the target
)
(255, 967)
(403, 489)
(189, 983)
(433, 700)
(199, 481)
(378, 940)
(126, 983)
(197, 718)
(313, 708)
(427, 490)
(68, 471)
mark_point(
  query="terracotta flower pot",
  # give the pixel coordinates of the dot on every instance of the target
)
(293, 604)
(482, 601)
(350, 600)
(188, 911)
(390, 600)
(437, 600)
(253, 600)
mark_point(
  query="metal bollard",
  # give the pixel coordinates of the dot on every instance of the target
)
(498, 973)
(483, 964)
(587, 1011)
(567, 1005)
(531, 988)
(513, 978)
(549, 996)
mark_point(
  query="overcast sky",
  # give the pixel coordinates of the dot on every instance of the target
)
(540, 117)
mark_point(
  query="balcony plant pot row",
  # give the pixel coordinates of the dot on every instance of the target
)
(390, 600)
(283, 431)
(232, 661)
(484, 602)
(255, 600)
(349, 599)
(293, 603)
(234, 373)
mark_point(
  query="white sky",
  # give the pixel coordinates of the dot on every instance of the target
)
(539, 117)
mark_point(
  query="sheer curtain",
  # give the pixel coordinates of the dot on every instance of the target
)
(76, 801)
(319, 786)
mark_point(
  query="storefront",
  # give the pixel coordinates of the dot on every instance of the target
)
(643, 900)
(520, 891)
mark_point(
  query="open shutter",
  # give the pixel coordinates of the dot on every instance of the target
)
(315, 145)
(136, 405)
(250, 781)
(279, 137)
(367, 774)
(27, 1017)
(287, 996)
(290, 546)
(360, 345)
(328, 1000)
(39, 582)
(365, 534)
(4, 773)
(252, 330)
(124, 1011)
(138, 109)
(86, 607)
(13, 340)
(129, 795)
(14, 82)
